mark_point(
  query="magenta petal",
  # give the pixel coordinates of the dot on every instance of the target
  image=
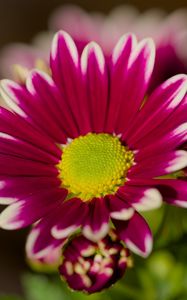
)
(40, 243)
(158, 165)
(75, 281)
(71, 217)
(95, 78)
(43, 92)
(51, 100)
(27, 103)
(22, 149)
(16, 166)
(19, 188)
(168, 142)
(158, 107)
(120, 59)
(174, 191)
(67, 75)
(136, 234)
(102, 279)
(96, 225)
(140, 66)
(31, 209)
(141, 197)
(119, 208)
(18, 127)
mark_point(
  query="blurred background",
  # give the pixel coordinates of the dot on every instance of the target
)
(164, 275)
(20, 20)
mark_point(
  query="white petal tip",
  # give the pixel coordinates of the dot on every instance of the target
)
(63, 233)
(96, 235)
(92, 47)
(124, 214)
(148, 244)
(69, 44)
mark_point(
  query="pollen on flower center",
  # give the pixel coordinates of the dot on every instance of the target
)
(94, 165)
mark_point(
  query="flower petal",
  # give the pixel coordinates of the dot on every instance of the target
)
(120, 58)
(158, 107)
(140, 66)
(141, 197)
(158, 165)
(96, 84)
(119, 209)
(27, 103)
(29, 210)
(96, 224)
(40, 243)
(73, 213)
(136, 234)
(42, 87)
(168, 142)
(66, 74)
(174, 191)
(16, 166)
(13, 189)
(15, 147)
(18, 127)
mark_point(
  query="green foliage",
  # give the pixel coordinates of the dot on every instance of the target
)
(174, 226)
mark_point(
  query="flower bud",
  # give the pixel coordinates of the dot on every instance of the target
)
(92, 267)
(47, 264)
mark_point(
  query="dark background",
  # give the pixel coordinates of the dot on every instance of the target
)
(20, 20)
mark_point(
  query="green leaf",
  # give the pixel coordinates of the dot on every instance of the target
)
(172, 228)
(154, 218)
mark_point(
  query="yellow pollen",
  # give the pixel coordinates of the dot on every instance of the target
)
(94, 165)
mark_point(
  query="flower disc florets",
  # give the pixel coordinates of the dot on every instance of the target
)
(92, 267)
(94, 165)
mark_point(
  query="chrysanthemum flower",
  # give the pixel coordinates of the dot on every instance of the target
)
(92, 267)
(17, 59)
(168, 31)
(87, 147)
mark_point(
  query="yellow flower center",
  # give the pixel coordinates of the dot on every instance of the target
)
(94, 165)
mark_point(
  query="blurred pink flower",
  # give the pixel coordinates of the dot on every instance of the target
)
(168, 31)
(25, 55)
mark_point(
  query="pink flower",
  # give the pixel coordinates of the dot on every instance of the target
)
(92, 267)
(87, 146)
(169, 33)
(28, 56)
